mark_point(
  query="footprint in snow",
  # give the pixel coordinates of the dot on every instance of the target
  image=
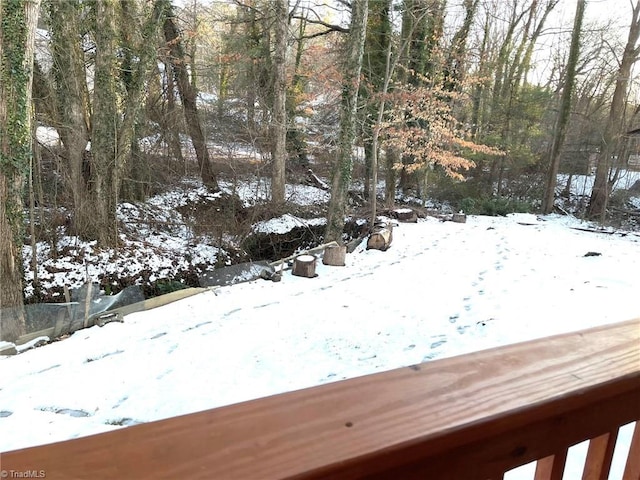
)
(93, 359)
(121, 401)
(197, 326)
(265, 305)
(48, 368)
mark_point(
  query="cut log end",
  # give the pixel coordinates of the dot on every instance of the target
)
(304, 266)
(380, 238)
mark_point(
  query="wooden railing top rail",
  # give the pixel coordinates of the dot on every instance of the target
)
(468, 417)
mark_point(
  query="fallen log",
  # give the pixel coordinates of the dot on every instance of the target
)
(309, 250)
(316, 181)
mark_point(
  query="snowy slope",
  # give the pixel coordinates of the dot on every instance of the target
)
(442, 289)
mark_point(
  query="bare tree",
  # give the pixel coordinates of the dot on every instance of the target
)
(565, 110)
(610, 137)
(188, 97)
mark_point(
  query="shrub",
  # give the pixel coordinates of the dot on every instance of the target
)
(495, 206)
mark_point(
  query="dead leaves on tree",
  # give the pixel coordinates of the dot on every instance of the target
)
(420, 124)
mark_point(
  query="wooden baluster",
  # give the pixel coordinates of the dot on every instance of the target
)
(599, 456)
(632, 470)
(551, 467)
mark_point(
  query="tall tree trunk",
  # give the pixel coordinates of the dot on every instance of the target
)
(600, 194)
(141, 41)
(481, 83)
(343, 167)
(279, 114)
(188, 97)
(170, 124)
(17, 39)
(501, 64)
(295, 134)
(454, 69)
(392, 159)
(565, 110)
(105, 124)
(374, 66)
(72, 107)
(525, 63)
(423, 21)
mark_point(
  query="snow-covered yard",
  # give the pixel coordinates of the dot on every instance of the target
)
(442, 289)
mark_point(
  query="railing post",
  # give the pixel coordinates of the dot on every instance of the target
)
(632, 470)
(599, 457)
(551, 467)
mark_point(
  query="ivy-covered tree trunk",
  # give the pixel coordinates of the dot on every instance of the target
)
(18, 21)
(343, 167)
(279, 114)
(374, 68)
(600, 194)
(105, 124)
(140, 38)
(565, 111)
(454, 69)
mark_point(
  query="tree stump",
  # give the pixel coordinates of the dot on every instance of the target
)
(381, 237)
(335, 255)
(459, 218)
(304, 266)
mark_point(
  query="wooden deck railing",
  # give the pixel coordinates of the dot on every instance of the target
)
(474, 416)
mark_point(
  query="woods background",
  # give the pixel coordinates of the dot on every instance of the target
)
(472, 104)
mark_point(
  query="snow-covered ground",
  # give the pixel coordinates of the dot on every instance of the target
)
(442, 289)
(583, 184)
